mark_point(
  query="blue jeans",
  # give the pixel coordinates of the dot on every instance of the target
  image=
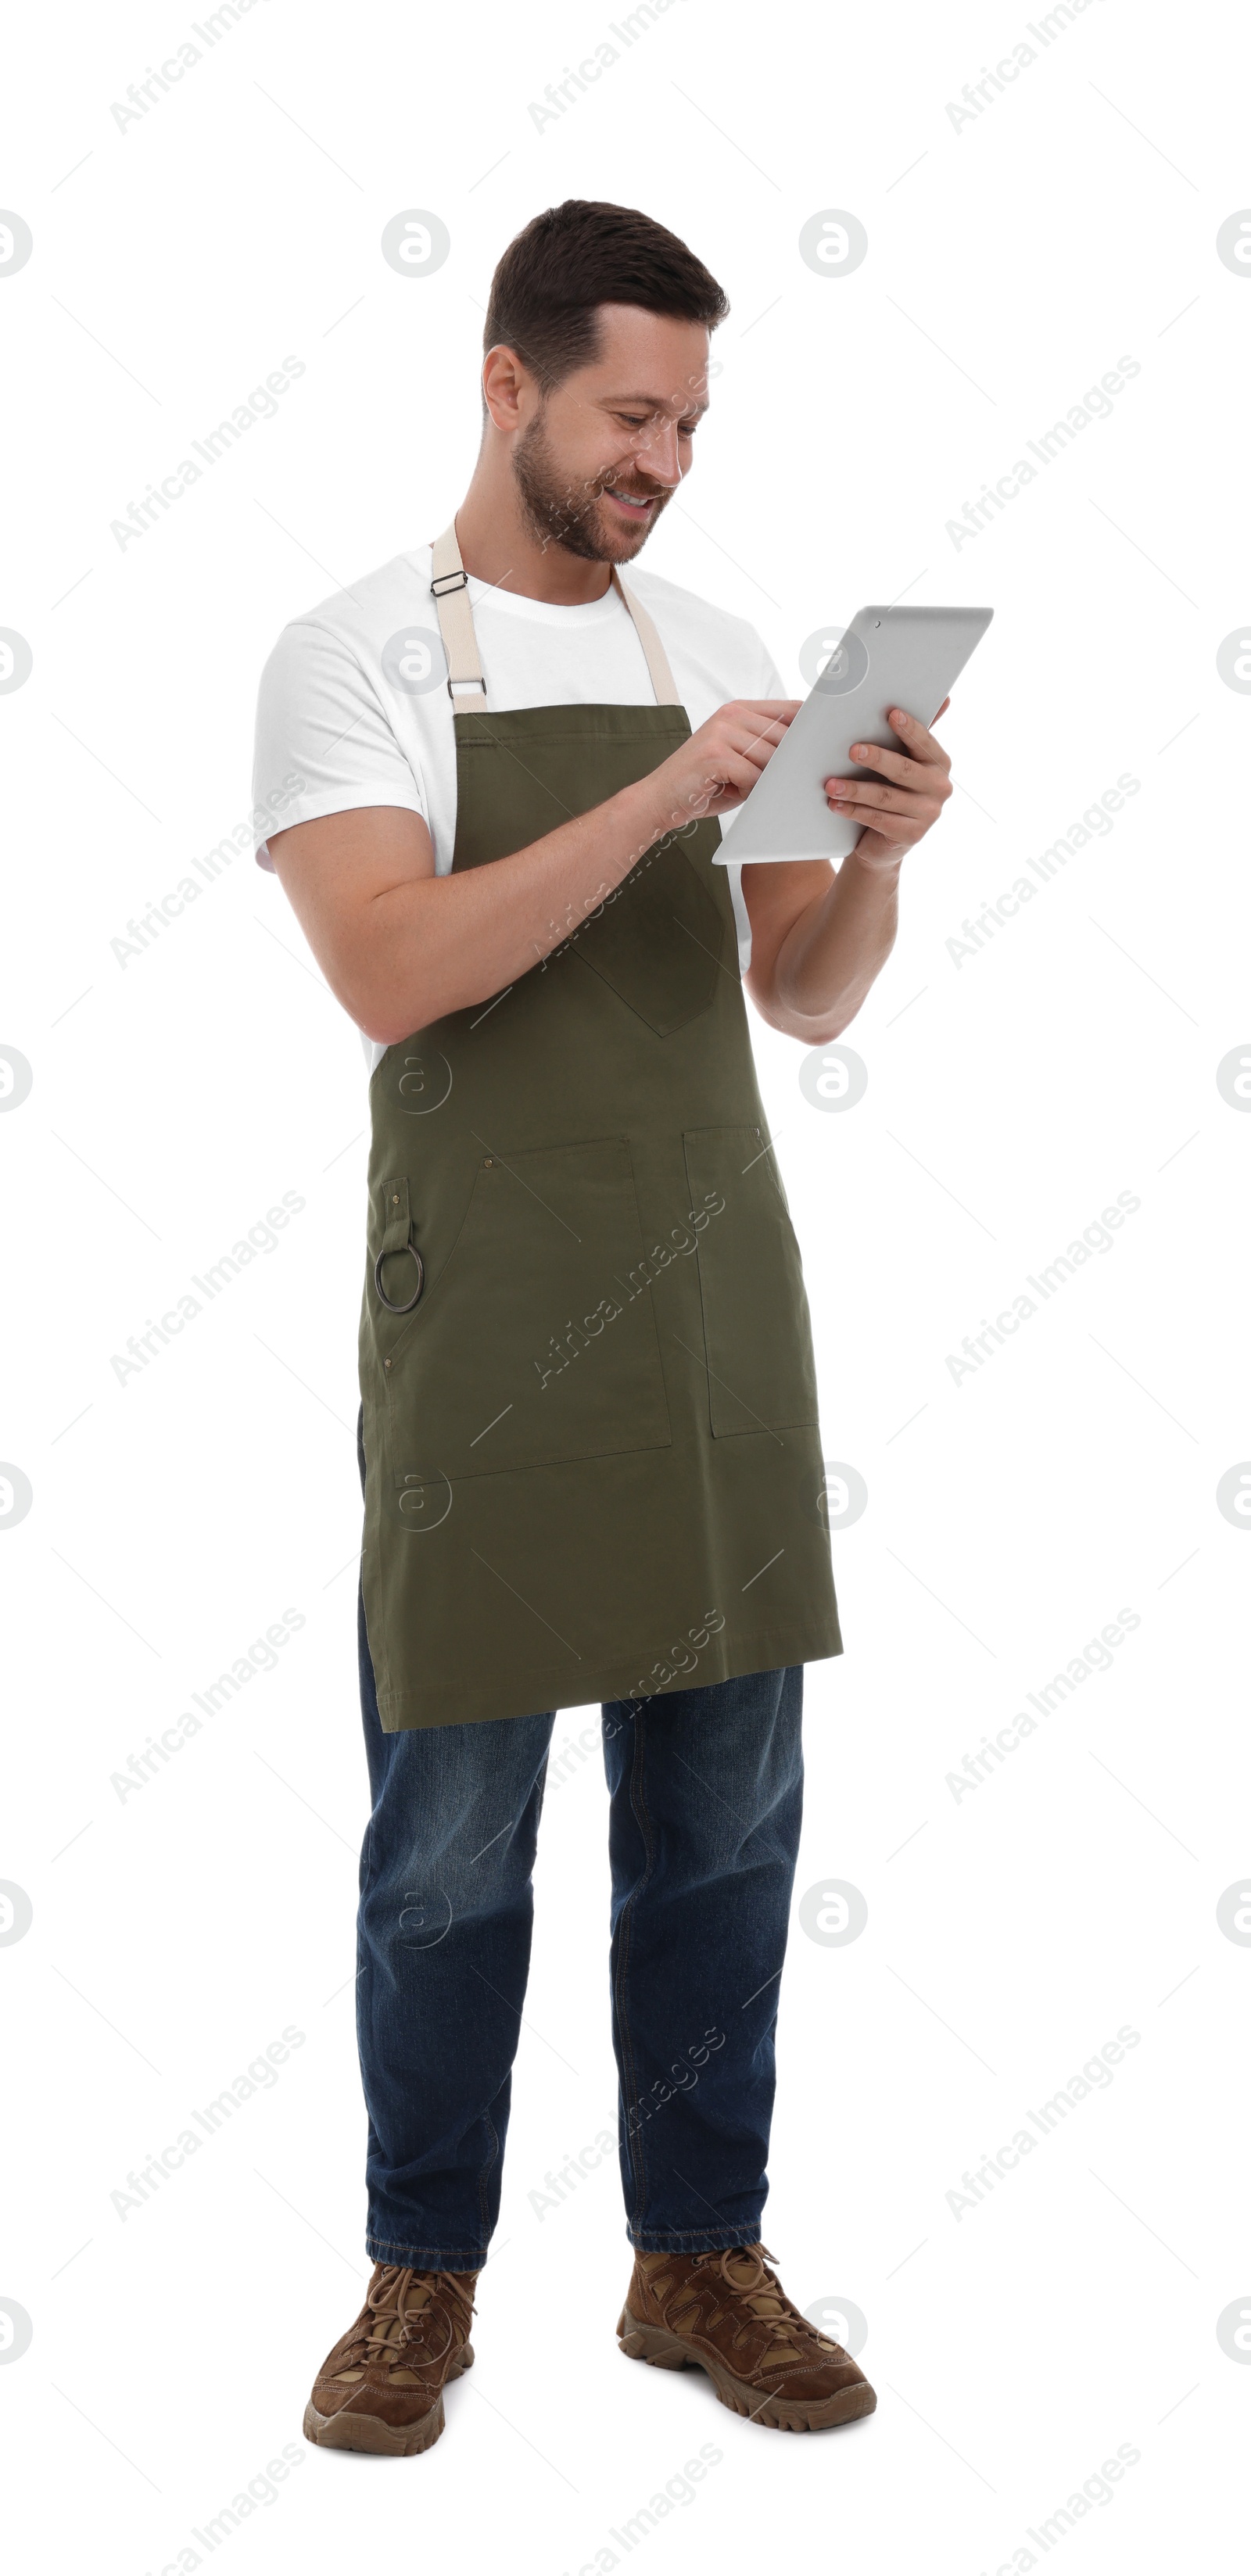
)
(705, 1794)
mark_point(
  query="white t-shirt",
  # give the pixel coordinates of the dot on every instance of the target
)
(338, 728)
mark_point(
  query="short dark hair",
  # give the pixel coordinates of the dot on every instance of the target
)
(577, 256)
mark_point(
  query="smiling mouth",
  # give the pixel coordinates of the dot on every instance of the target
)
(637, 507)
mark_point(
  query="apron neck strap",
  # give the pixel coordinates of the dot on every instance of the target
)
(466, 686)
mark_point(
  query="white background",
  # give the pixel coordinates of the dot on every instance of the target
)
(1010, 1098)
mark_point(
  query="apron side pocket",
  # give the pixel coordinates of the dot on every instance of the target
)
(537, 1344)
(757, 1335)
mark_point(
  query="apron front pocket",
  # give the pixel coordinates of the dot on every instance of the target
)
(757, 1337)
(534, 1343)
(658, 939)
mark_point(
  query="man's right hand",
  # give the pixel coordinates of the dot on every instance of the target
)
(720, 764)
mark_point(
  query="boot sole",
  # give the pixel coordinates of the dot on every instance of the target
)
(346, 2431)
(665, 2351)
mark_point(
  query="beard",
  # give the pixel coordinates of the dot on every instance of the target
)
(563, 514)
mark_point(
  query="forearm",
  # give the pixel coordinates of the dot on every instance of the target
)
(401, 946)
(833, 953)
(437, 944)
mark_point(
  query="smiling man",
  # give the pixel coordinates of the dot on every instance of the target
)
(589, 1442)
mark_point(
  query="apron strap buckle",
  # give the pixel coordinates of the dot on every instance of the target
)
(450, 589)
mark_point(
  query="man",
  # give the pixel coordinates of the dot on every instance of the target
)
(589, 1443)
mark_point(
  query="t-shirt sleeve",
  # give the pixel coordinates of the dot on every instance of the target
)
(769, 683)
(323, 742)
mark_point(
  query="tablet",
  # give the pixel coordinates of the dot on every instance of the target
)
(888, 657)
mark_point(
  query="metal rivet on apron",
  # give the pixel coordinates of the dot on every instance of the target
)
(488, 1159)
(386, 1364)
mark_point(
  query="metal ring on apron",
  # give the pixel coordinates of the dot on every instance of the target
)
(383, 1298)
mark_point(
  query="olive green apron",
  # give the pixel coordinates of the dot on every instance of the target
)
(593, 1462)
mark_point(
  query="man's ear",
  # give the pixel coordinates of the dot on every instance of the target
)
(503, 376)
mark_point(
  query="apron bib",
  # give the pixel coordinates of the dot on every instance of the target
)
(593, 1464)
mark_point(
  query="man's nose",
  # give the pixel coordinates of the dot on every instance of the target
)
(658, 455)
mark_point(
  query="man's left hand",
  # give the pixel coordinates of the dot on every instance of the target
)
(899, 812)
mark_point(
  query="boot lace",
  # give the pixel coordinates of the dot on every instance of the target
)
(757, 2289)
(407, 2310)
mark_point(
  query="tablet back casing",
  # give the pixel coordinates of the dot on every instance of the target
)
(888, 657)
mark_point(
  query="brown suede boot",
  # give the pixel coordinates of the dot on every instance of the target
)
(381, 2388)
(727, 2312)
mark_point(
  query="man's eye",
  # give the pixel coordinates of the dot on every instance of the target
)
(685, 429)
